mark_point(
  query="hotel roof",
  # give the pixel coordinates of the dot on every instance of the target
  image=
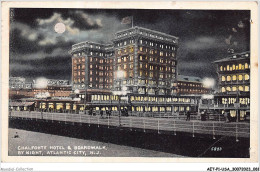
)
(234, 57)
(188, 78)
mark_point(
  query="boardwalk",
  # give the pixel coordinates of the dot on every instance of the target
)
(145, 123)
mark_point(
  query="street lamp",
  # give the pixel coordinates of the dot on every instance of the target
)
(41, 83)
(208, 83)
(120, 75)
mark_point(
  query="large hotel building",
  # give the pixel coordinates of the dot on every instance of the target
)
(139, 61)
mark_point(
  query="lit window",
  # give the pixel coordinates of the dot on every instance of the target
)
(221, 68)
(234, 67)
(234, 88)
(246, 65)
(227, 67)
(228, 89)
(240, 66)
(141, 48)
(240, 88)
(228, 78)
(246, 88)
(223, 78)
(141, 58)
(234, 77)
(240, 77)
(246, 77)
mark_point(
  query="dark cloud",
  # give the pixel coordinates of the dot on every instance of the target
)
(83, 21)
(204, 36)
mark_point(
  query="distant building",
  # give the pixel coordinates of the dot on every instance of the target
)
(234, 84)
(19, 88)
(19, 83)
(190, 85)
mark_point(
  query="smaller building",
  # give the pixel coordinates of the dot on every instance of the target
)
(190, 85)
(19, 83)
(233, 86)
(19, 88)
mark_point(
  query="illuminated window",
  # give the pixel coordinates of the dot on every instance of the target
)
(227, 67)
(234, 88)
(228, 78)
(232, 113)
(234, 77)
(241, 88)
(234, 67)
(246, 88)
(228, 89)
(221, 68)
(161, 53)
(246, 77)
(141, 48)
(223, 89)
(246, 65)
(223, 78)
(240, 77)
(240, 66)
(141, 58)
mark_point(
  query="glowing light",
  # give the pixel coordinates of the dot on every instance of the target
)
(207, 96)
(208, 82)
(120, 74)
(124, 88)
(41, 82)
(76, 91)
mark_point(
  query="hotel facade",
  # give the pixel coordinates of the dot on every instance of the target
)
(138, 70)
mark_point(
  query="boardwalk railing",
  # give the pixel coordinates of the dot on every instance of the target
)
(158, 124)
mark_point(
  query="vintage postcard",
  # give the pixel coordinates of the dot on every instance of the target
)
(129, 82)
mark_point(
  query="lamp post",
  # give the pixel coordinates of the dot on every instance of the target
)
(41, 83)
(208, 83)
(120, 75)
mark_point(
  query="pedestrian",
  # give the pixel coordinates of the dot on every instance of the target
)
(101, 113)
(229, 117)
(90, 111)
(188, 116)
(226, 116)
(126, 112)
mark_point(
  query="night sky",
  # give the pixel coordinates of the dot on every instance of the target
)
(36, 50)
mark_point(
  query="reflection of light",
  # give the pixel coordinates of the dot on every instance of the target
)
(120, 74)
(207, 96)
(41, 82)
(208, 82)
(76, 91)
